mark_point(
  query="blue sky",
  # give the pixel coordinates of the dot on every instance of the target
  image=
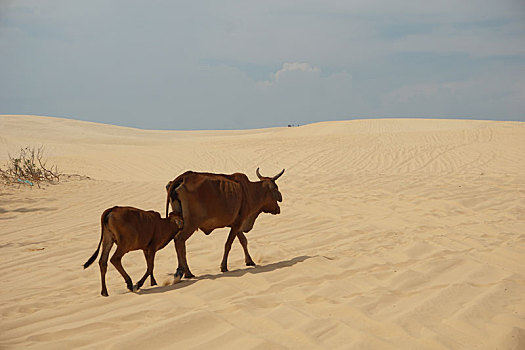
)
(251, 64)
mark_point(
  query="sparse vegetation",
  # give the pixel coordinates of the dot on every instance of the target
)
(29, 167)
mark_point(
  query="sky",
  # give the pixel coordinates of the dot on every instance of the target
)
(185, 65)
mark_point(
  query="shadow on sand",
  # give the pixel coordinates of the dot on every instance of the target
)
(24, 210)
(235, 273)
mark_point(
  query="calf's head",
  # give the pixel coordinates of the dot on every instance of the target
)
(271, 193)
(176, 218)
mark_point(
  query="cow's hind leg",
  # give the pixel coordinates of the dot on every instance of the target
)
(244, 242)
(227, 247)
(183, 269)
(103, 263)
(150, 259)
(116, 261)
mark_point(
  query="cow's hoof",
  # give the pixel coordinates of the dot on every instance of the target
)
(104, 293)
(130, 287)
(179, 273)
(250, 263)
(224, 269)
(189, 275)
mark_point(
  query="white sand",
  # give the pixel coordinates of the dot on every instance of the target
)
(394, 234)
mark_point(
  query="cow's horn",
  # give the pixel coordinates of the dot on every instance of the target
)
(258, 174)
(278, 175)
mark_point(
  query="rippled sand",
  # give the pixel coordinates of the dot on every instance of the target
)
(394, 234)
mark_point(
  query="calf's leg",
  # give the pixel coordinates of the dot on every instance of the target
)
(244, 242)
(103, 263)
(116, 261)
(152, 279)
(150, 259)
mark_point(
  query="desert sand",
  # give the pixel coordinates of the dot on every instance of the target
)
(393, 234)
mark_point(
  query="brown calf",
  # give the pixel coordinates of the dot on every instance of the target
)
(133, 229)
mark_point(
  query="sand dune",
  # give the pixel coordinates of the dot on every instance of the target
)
(394, 234)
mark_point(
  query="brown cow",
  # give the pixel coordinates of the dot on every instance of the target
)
(209, 201)
(133, 229)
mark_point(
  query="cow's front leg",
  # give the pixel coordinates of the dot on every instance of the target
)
(227, 247)
(183, 269)
(244, 242)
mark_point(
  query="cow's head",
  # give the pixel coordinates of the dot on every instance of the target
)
(271, 193)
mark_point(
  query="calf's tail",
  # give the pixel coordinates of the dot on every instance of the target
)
(103, 222)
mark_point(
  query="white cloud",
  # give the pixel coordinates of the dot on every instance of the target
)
(289, 67)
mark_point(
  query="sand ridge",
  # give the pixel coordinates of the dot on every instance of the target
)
(394, 233)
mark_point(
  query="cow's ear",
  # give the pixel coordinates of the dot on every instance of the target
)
(277, 196)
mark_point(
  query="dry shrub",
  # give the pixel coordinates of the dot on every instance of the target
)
(29, 167)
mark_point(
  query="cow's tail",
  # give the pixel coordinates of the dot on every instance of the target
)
(172, 194)
(103, 223)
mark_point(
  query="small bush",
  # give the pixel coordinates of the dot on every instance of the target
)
(30, 168)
